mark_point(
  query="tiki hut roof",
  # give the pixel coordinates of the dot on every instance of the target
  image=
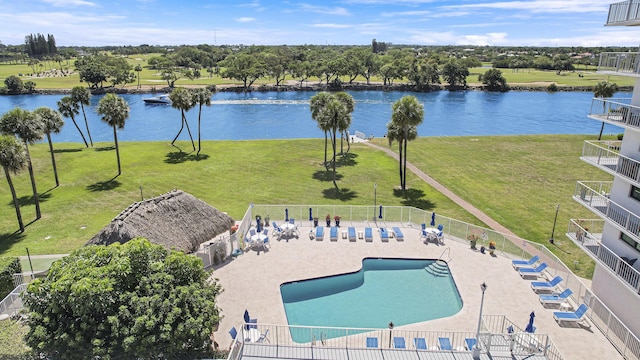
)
(174, 220)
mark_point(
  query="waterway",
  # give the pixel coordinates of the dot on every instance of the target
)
(286, 115)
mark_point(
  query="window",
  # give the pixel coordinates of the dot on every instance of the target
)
(635, 192)
(626, 238)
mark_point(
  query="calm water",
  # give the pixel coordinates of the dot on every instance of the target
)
(384, 290)
(286, 115)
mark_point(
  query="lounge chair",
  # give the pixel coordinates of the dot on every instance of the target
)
(319, 233)
(372, 342)
(399, 234)
(277, 230)
(334, 233)
(546, 285)
(571, 316)
(440, 236)
(469, 343)
(533, 271)
(249, 322)
(263, 337)
(420, 343)
(440, 227)
(368, 234)
(398, 343)
(517, 264)
(233, 332)
(444, 343)
(352, 234)
(265, 243)
(556, 299)
(384, 234)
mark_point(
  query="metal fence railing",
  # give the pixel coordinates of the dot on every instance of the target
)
(624, 11)
(11, 305)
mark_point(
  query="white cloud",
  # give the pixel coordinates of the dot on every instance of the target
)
(539, 6)
(245, 19)
(324, 9)
(332, 26)
(67, 3)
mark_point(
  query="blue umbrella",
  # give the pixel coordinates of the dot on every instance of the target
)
(310, 214)
(530, 328)
(380, 216)
(286, 214)
(433, 219)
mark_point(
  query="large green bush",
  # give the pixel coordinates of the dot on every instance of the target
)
(8, 267)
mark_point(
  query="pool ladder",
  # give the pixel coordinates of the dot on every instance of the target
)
(323, 339)
(440, 266)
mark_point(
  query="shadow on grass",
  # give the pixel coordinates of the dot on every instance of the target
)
(104, 185)
(105, 148)
(347, 159)
(7, 240)
(60, 151)
(343, 194)
(178, 157)
(415, 198)
(28, 199)
(325, 175)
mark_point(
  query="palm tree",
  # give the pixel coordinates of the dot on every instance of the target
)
(69, 108)
(29, 128)
(405, 113)
(316, 104)
(138, 69)
(604, 89)
(182, 99)
(52, 123)
(12, 159)
(114, 111)
(349, 103)
(81, 95)
(395, 133)
(201, 96)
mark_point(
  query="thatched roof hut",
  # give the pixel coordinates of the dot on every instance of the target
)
(174, 220)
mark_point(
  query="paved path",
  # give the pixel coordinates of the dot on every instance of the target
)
(448, 193)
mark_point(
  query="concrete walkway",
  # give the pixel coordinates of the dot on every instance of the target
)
(448, 193)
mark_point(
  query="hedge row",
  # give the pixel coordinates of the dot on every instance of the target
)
(8, 267)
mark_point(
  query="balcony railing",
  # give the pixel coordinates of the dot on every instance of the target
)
(595, 196)
(624, 13)
(615, 111)
(586, 234)
(606, 156)
(627, 63)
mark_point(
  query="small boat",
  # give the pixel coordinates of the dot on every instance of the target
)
(160, 99)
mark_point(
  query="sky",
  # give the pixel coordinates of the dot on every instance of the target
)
(327, 22)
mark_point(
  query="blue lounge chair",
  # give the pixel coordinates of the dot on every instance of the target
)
(444, 343)
(398, 343)
(517, 264)
(440, 227)
(352, 234)
(399, 234)
(571, 316)
(372, 342)
(319, 233)
(469, 343)
(368, 234)
(233, 332)
(533, 271)
(556, 299)
(420, 343)
(384, 234)
(546, 285)
(334, 233)
(263, 337)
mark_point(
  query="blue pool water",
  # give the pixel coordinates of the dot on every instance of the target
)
(384, 290)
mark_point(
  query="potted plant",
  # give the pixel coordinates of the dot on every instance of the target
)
(315, 222)
(266, 221)
(337, 220)
(492, 247)
(328, 219)
(473, 240)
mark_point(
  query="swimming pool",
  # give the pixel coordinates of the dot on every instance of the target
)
(384, 290)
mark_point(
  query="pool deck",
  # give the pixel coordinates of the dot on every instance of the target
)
(252, 281)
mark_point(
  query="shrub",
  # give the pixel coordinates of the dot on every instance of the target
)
(8, 267)
(552, 87)
(13, 84)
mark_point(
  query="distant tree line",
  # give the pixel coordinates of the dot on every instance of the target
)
(36, 45)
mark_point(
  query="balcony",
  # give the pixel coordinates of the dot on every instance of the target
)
(616, 112)
(606, 156)
(595, 196)
(579, 233)
(619, 63)
(625, 13)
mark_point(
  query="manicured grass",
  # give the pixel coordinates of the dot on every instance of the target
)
(567, 78)
(12, 347)
(228, 176)
(517, 181)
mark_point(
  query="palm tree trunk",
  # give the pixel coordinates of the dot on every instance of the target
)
(115, 138)
(36, 199)
(199, 144)
(400, 159)
(325, 148)
(404, 161)
(193, 144)
(333, 142)
(179, 132)
(86, 124)
(341, 142)
(15, 199)
(80, 131)
(53, 160)
(601, 129)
